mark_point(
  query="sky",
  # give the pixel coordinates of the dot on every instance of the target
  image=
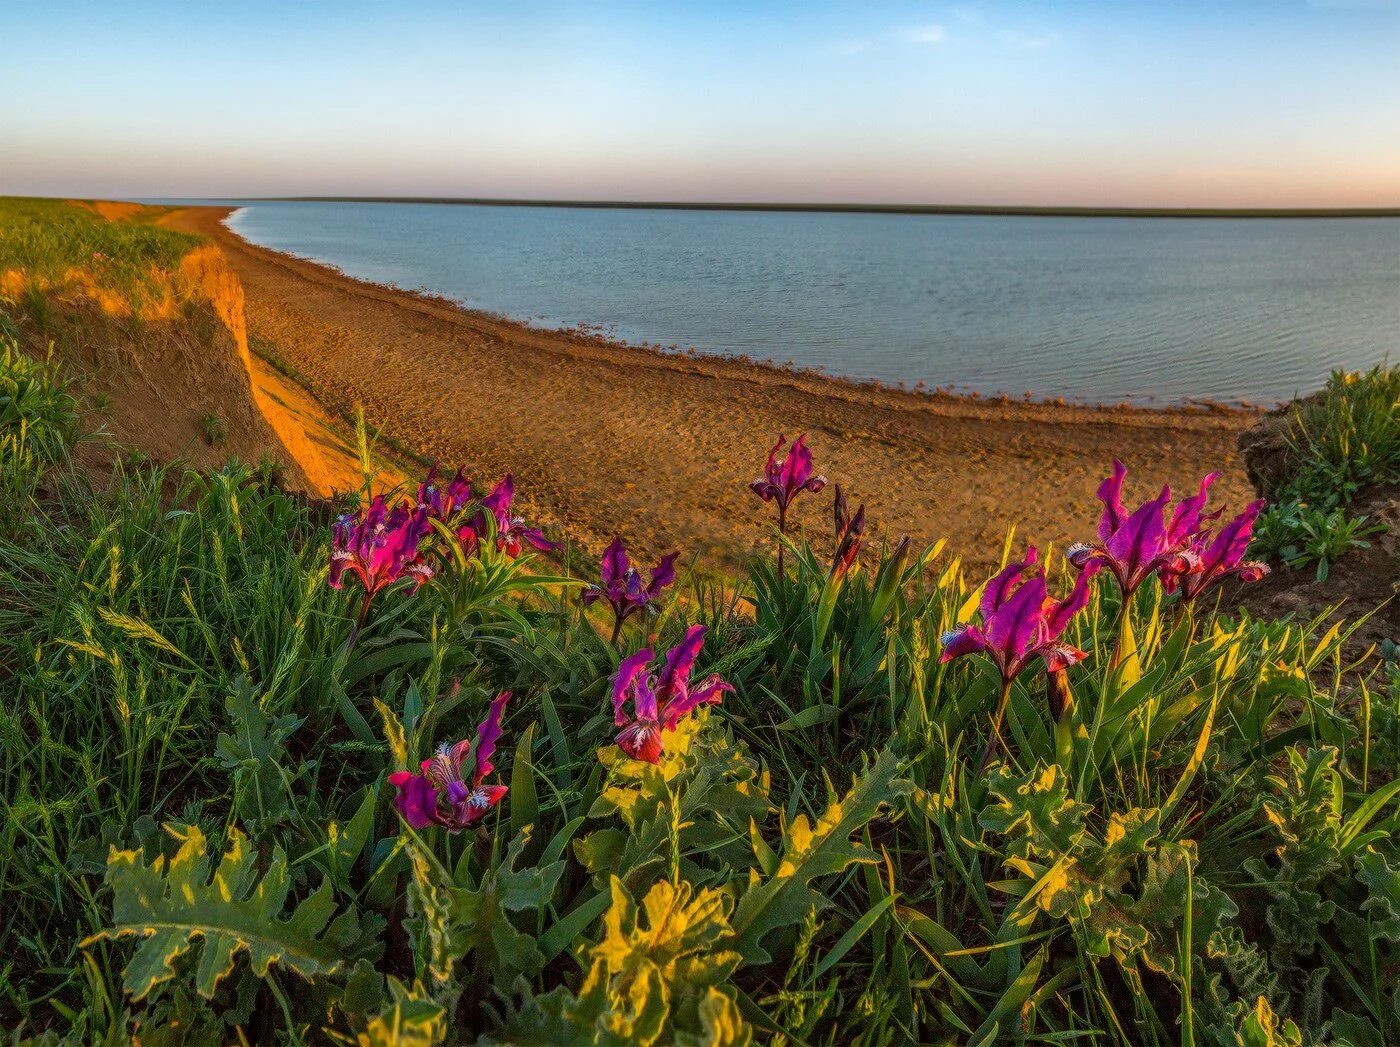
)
(1228, 103)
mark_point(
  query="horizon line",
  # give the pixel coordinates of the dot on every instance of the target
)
(1014, 210)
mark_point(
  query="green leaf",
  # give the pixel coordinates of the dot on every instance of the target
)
(348, 841)
(810, 852)
(658, 970)
(524, 802)
(171, 906)
(261, 786)
(1383, 894)
(412, 1019)
(810, 717)
(440, 938)
(1261, 1028)
(852, 936)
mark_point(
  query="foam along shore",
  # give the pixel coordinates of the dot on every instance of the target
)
(607, 439)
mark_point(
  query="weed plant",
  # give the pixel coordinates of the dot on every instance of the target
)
(1345, 439)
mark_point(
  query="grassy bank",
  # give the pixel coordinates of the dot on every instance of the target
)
(1338, 444)
(47, 246)
(1182, 826)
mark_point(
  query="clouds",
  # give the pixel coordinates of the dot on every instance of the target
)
(926, 35)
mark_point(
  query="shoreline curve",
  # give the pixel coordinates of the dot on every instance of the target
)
(612, 438)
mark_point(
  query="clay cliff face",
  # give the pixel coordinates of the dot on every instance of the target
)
(158, 365)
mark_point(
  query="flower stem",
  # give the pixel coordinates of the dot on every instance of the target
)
(617, 629)
(1118, 623)
(995, 739)
(782, 533)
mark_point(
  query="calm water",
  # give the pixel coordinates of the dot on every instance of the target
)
(1094, 309)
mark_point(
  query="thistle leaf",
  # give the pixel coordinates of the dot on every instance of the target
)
(171, 905)
(412, 1019)
(811, 851)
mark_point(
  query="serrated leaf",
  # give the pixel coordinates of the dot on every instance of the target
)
(172, 906)
(811, 851)
(412, 1019)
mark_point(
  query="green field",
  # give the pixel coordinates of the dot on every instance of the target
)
(1190, 836)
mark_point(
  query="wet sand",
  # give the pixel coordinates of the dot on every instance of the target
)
(608, 439)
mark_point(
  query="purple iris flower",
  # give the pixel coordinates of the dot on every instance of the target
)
(1214, 556)
(784, 479)
(1137, 545)
(511, 531)
(658, 703)
(442, 500)
(379, 546)
(622, 587)
(848, 533)
(1021, 621)
(442, 794)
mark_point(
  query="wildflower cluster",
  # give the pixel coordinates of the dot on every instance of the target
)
(659, 702)
(450, 791)
(383, 543)
(1020, 621)
(621, 585)
(1185, 554)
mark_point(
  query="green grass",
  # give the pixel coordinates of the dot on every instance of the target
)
(212, 429)
(1349, 436)
(46, 239)
(1213, 825)
(37, 424)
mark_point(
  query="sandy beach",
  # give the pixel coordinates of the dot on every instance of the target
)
(608, 439)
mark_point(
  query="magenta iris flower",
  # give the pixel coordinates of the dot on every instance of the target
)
(442, 500)
(511, 531)
(848, 533)
(622, 587)
(1134, 546)
(379, 546)
(658, 703)
(443, 794)
(1213, 556)
(784, 479)
(1021, 621)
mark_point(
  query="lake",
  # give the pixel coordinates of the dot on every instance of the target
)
(1147, 310)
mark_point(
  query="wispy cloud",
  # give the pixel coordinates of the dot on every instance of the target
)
(1031, 41)
(924, 35)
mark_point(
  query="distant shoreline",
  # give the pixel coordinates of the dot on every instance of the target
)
(819, 208)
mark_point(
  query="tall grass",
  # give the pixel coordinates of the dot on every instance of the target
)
(1349, 435)
(47, 240)
(37, 425)
(1204, 845)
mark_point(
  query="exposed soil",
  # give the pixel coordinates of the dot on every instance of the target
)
(148, 386)
(608, 439)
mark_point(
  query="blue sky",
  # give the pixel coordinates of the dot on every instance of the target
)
(1229, 103)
